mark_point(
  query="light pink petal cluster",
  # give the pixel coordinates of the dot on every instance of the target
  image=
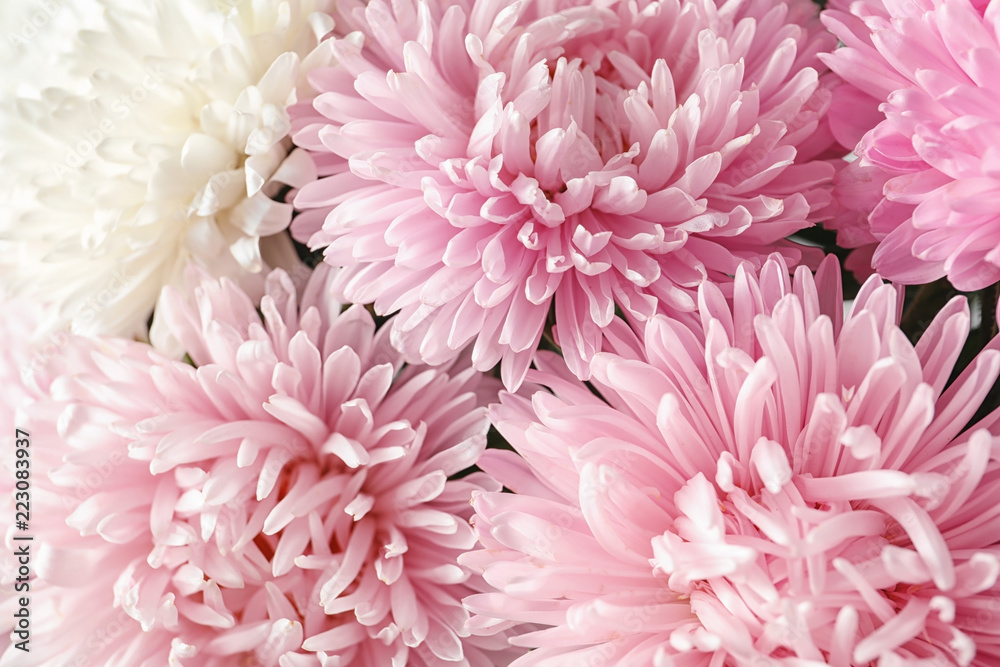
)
(774, 487)
(289, 499)
(926, 188)
(487, 164)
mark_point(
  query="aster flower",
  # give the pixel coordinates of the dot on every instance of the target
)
(930, 161)
(37, 34)
(159, 141)
(486, 163)
(287, 501)
(773, 487)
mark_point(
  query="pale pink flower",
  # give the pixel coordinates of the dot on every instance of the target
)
(774, 487)
(286, 502)
(19, 358)
(858, 191)
(487, 163)
(932, 67)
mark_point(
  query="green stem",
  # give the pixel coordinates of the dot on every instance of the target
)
(926, 303)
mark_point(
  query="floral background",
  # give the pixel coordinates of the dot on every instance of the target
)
(500, 332)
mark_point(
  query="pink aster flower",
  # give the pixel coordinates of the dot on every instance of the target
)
(774, 487)
(932, 159)
(287, 501)
(486, 163)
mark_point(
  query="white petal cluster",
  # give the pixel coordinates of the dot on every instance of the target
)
(158, 141)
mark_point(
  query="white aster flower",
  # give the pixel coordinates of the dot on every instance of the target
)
(36, 34)
(161, 140)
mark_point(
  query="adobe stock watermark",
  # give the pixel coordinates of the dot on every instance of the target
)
(120, 109)
(33, 22)
(118, 281)
(102, 638)
(91, 482)
(225, 6)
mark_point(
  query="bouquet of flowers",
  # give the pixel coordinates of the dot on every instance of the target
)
(529, 333)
